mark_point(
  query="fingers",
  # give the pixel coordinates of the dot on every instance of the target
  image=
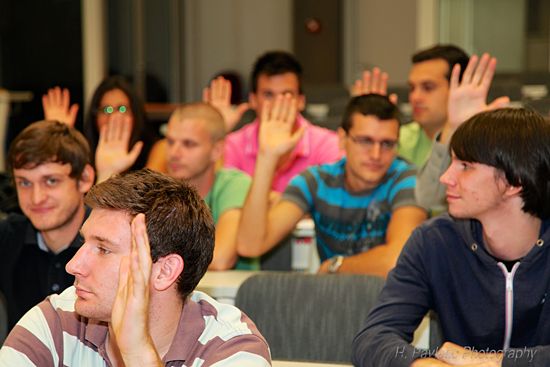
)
(142, 264)
(489, 72)
(134, 152)
(297, 135)
(242, 108)
(480, 69)
(206, 95)
(118, 129)
(469, 71)
(220, 91)
(266, 111)
(375, 81)
(455, 77)
(72, 113)
(122, 289)
(284, 109)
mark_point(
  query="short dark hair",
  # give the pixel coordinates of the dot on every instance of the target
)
(275, 63)
(370, 104)
(139, 129)
(450, 53)
(178, 221)
(46, 142)
(515, 142)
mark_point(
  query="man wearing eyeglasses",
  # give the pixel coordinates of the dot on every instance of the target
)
(363, 206)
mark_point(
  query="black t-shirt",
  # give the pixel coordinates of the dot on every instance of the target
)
(29, 274)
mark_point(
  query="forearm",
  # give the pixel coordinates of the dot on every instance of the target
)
(253, 226)
(225, 247)
(377, 261)
(225, 256)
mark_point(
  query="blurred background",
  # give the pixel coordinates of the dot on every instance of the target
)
(171, 49)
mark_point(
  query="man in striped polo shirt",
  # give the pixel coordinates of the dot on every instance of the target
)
(147, 243)
(363, 206)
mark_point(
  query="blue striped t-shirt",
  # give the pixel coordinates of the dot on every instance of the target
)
(349, 223)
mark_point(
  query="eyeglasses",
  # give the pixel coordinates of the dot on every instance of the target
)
(107, 110)
(368, 143)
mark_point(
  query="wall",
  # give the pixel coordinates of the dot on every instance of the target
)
(226, 35)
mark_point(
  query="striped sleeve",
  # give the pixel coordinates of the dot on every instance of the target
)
(229, 337)
(300, 190)
(50, 335)
(402, 190)
(31, 342)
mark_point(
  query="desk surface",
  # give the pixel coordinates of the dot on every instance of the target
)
(224, 284)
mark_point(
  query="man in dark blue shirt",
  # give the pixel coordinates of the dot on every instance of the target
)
(50, 164)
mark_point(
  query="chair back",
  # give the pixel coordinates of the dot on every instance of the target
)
(309, 317)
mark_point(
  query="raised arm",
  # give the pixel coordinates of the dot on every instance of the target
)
(466, 98)
(382, 258)
(112, 154)
(218, 94)
(130, 314)
(56, 106)
(469, 96)
(262, 227)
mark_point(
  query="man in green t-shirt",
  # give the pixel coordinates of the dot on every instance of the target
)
(428, 94)
(194, 146)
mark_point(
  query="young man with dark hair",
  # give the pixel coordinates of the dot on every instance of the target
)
(148, 241)
(277, 73)
(428, 93)
(50, 164)
(483, 269)
(363, 206)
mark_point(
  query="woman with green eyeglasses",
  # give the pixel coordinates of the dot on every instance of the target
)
(114, 102)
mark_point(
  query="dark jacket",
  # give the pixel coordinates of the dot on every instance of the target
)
(444, 267)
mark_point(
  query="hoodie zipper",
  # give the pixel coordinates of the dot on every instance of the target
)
(508, 302)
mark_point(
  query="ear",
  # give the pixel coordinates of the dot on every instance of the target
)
(217, 150)
(253, 101)
(342, 139)
(301, 102)
(86, 179)
(512, 191)
(165, 271)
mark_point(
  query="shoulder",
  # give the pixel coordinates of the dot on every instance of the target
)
(15, 221)
(231, 175)
(242, 133)
(223, 320)
(443, 231)
(410, 129)
(14, 229)
(323, 172)
(400, 165)
(49, 331)
(229, 331)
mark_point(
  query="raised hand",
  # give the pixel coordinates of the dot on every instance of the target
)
(56, 106)
(130, 314)
(219, 96)
(276, 136)
(375, 81)
(112, 155)
(469, 96)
